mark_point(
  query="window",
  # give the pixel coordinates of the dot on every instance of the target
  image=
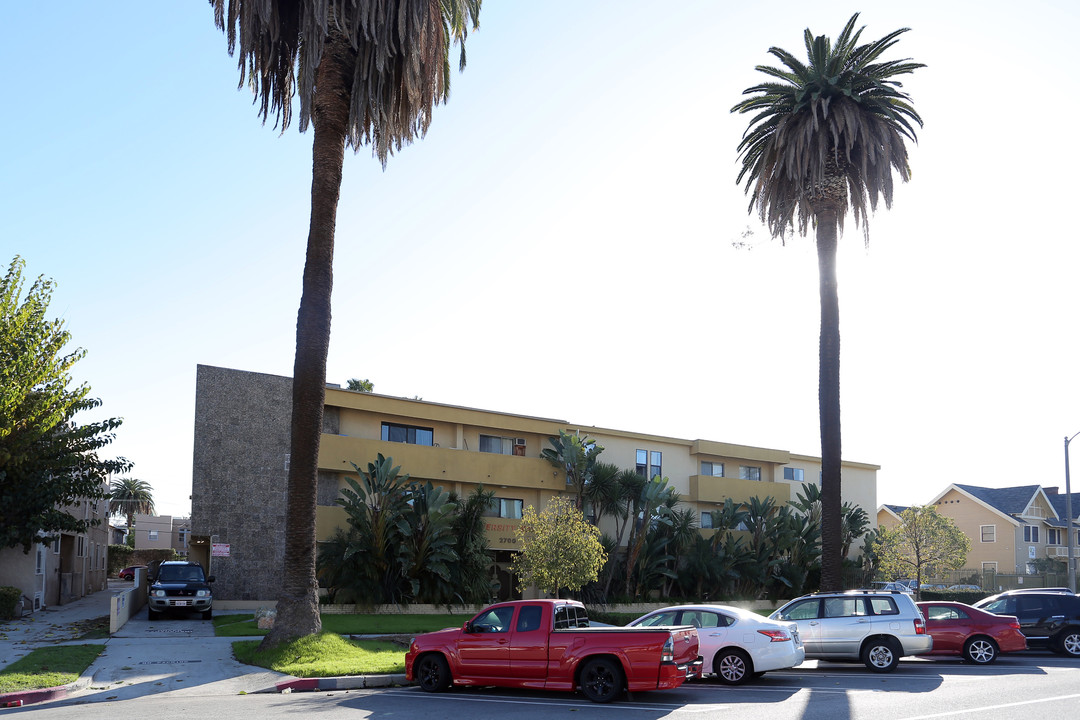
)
(749, 473)
(795, 474)
(706, 520)
(660, 619)
(649, 464)
(392, 432)
(529, 618)
(989, 567)
(945, 612)
(883, 606)
(713, 469)
(570, 616)
(1053, 536)
(704, 619)
(805, 610)
(844, 607)
(151, 534)
(183, 538)
(505, 508)
(56, 545)
(497, 445)
(80, 547)
(496, 620)
(1031, 533)
(987, 533)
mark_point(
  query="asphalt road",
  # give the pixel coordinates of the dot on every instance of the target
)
(1025, 685)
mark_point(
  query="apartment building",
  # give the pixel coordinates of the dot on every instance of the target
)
(73, 565)
(241, 463)
(162, 532)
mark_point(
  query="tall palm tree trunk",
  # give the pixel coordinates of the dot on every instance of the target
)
(829, 401)
(298, 603)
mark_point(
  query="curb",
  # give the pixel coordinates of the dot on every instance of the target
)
(30, 697)
(348, 682)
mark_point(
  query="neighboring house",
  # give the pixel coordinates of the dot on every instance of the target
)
(117, 534)
(1009, 528)
(162, 532)
(888, 516)
(70, 567)
(241, 459)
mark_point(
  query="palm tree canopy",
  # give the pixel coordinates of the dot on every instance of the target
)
(829, 134)
(400, 52)
(128, 496)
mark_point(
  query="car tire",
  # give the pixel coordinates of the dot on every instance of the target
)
(208, 614)
(152, 615)
(601, 680)
(432, 673)
(1068, 642)
(881, 654)
(980, 651)
(732, 666)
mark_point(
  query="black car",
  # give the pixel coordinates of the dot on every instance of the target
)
(1048, 617)
(180, 587)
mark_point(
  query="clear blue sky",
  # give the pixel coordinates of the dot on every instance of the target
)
(560, 244)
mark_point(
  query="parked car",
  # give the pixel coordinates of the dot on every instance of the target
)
(548, 645)
(876, 628)
(128, 573)
(975, 635)
(734, 644)
(180, 587)
(1048, 617)
(964, 588)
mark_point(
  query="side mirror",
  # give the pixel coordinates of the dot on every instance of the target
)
(467, 627)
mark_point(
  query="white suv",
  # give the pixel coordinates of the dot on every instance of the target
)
(876, 628)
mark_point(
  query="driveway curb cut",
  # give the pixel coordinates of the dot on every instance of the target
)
(31, 697)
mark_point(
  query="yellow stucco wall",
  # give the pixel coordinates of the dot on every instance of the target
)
(970, 516)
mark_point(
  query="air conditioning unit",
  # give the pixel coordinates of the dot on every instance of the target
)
(519, 441)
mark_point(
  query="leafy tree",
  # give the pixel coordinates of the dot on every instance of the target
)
(559, 548)
(923, 541)
(576, 456)
(128, 497)
(826, 138)
(47, 460)
(364, 386)
(365, 71)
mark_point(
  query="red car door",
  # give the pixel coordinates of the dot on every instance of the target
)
(485, 651)
(946, 627)
(529, 643)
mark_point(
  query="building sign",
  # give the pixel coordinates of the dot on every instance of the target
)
(501, 533)
(219, 550)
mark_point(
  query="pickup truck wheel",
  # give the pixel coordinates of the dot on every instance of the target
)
(732, 666)
(433, 673)
(601, 680)
(881, 655)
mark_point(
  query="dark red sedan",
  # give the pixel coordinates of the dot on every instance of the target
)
(977, 636)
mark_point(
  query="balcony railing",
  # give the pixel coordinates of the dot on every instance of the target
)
(1056, 551)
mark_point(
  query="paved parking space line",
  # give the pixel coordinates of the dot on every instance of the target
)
(548, 702)
(987, 708)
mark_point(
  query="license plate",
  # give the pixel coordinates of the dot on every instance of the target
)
(181, 602)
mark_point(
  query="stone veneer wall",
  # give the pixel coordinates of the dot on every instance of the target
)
(239, 477)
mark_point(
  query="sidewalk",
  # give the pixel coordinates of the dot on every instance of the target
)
(143, 658)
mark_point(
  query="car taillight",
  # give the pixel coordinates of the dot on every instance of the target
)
(668, 653)
(920, 626)
(775, 635)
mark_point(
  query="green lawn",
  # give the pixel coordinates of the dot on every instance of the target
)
(325, 655)
(244, 625)
(48, 667)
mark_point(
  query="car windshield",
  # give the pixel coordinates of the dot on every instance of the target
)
(169, 573)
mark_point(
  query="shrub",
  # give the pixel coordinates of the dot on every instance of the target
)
(10, 597)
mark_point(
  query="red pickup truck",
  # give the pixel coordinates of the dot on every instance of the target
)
(548, 645)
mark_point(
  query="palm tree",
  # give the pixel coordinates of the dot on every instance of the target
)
(365, 71)
(128, 497)
(826, 139)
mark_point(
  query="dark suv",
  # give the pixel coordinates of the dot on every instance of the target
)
(1048, 618)
(180, 587)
